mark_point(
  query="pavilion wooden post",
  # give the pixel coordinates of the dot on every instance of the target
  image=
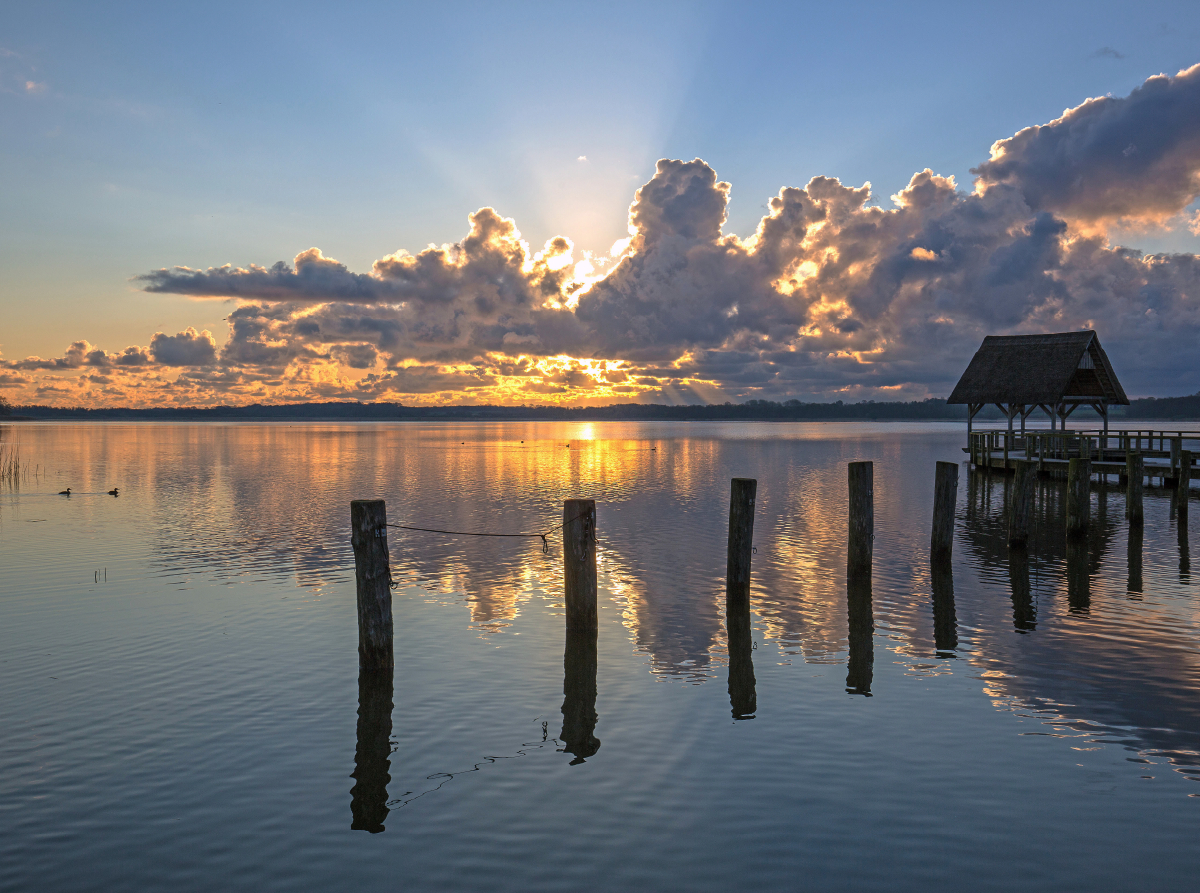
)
(579, 563)
(373, 575)
(1021, 505)
(1133, 487)
(945, 498)
(1079, 476)
(862, 519)
(1183, 477)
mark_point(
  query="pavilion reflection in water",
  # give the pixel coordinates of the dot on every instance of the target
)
(1091, 659)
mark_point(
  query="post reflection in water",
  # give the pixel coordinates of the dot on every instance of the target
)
(1135, 558)
(368, 797)
(1185, 561)
(860, 664)
(743, 700)
(1079, 592)
(1024, 611)
(945, 622)
(579, 691)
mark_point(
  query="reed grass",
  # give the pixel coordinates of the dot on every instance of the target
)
(10, 463)
(12, 470)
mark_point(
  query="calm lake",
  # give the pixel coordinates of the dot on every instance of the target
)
(180, 703)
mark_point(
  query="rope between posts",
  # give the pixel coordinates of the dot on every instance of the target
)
(545, 542)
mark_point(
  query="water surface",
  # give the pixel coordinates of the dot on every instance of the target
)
(181, 704)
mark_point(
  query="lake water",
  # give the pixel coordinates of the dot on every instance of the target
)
(181, 695)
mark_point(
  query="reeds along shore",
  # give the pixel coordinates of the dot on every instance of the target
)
(12, 469)
(10, 463)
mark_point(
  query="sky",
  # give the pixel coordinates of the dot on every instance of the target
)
(588, 204)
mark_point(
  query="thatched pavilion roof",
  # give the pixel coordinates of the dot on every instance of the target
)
(1067, 367)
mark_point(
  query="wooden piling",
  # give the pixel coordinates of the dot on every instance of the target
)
(739, 552)
(1021, 505)
(373, 574)
(1079, 478)
(945, 499)
(1133, 487)
(579, 563)
(741, 540)
(1183, 478)
(862, 519)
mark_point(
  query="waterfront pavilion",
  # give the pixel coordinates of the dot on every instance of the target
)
(1056, 373)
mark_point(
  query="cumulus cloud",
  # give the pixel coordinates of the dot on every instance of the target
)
(1136, 157)
(188, 348)
(831, 296)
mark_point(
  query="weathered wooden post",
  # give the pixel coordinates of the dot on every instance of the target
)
(1133, 487)
(1021, 505)
(1079, 478)
(739, 552)
(1183, 478)
(945, 499)
(579, 656)
(741, 542)
(373, 574)
(862, 519)
(372, 752)
(579, 563)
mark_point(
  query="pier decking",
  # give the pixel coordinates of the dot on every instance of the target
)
(1162, 451)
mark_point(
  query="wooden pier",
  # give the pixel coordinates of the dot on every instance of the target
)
(1163, 452)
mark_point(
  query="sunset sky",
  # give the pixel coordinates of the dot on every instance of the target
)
(583, 204)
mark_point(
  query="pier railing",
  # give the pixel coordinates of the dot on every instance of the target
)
(1162, 451)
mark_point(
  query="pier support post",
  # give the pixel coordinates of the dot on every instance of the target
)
(1183, 478)
(373, 575)
(862, 519)
(1021, 505)
(1079, 478)
(1133, 487)
(945, 498)
(579, 563)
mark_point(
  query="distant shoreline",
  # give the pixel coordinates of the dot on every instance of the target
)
(1164, 408)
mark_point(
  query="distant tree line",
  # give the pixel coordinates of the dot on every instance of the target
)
(1174, 408)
